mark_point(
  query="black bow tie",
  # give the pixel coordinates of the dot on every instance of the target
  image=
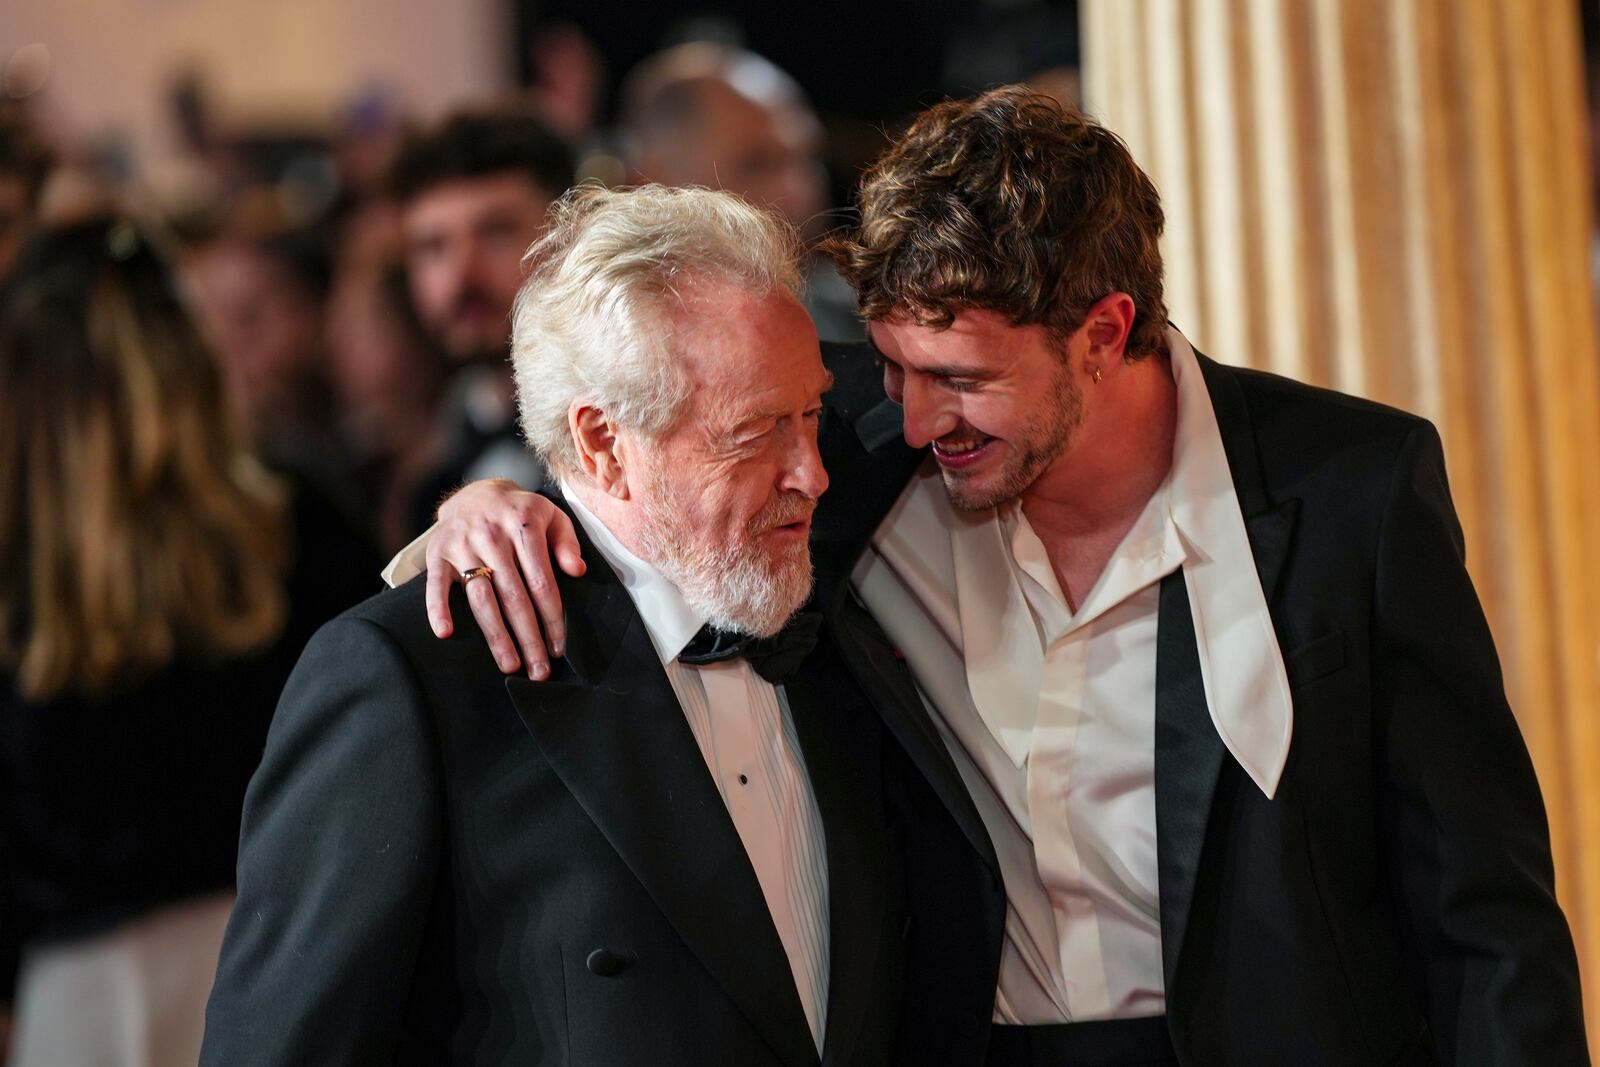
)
(774, 658)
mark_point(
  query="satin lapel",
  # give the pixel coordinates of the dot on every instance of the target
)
(1188, 758)
(1238, 438)
(1270, 533)
(1189, 752)
(611, 728)
(1269, 526)
(843, 761)
(889, 686)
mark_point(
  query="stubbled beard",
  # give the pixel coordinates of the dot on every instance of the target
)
(735, 587)
(1043, 439)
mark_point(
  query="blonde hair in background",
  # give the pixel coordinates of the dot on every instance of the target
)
(595, 318)
(134, 525)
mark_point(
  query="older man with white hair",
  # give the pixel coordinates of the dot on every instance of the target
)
(677, 849)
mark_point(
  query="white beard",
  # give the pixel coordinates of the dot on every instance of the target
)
(732, 586)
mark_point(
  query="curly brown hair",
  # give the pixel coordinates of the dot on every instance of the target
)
(1013, 203)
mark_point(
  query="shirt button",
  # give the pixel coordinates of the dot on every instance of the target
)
(744, 779)
(606, 963)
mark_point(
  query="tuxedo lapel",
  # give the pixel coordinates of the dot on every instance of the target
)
(843, 761)
(1189, 752)
(1270, 533)
(611, 728)
(1269, 525)
(888, 685)
(1189, 755)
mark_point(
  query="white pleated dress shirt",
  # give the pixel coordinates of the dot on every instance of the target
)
(1049, 714)
(746, 733)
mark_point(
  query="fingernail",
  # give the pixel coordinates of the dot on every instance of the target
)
(558, 647)
(539, 671)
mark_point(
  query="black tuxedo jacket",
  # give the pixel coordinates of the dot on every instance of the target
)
(440, 865)
(1394, 903)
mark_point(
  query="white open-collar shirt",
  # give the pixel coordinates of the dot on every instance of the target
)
(1050, 713)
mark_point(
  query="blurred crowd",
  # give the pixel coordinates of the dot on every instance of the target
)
(356, 292)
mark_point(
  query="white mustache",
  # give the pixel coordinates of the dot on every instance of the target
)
(782, 512)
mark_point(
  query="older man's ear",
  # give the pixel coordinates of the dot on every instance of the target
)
(600, 451)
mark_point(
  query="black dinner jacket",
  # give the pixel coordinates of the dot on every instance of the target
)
(1394, 903)
(441, 865)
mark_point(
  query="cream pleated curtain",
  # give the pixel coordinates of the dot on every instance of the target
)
(1391, 198)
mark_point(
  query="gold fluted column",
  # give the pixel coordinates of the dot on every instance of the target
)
(1390, 197)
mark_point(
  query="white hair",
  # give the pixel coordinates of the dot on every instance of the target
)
(596, 318)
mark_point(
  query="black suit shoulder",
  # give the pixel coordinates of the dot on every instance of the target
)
(402, 614)
(1285, 409)
(401, 611)
(1316, 445)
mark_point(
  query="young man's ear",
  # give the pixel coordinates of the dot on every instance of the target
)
(600, 454)
(1107, 327)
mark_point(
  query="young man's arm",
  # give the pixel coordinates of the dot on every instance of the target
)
(1460, 814)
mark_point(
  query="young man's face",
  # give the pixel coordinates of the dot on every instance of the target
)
(995, 401)
(464, 241)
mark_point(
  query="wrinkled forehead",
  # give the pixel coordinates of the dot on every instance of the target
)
(770, 395)
(769, 383)
(745, 354)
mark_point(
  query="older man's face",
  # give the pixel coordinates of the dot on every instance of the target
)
(729, 491)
